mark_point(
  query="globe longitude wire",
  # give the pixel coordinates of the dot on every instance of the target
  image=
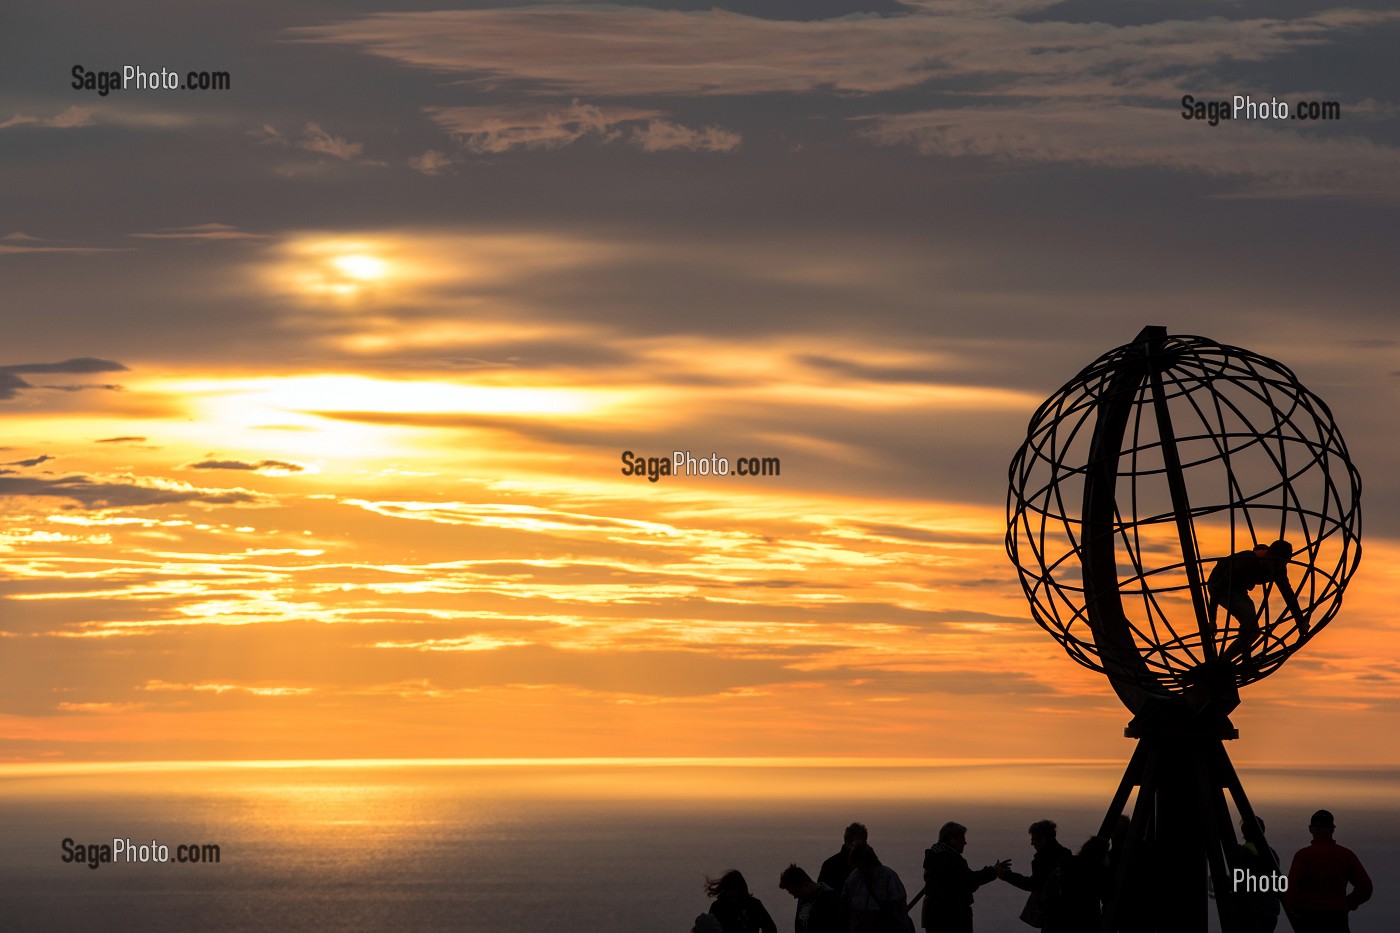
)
(1260, 458)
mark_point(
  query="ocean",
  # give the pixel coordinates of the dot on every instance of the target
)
(585, 847)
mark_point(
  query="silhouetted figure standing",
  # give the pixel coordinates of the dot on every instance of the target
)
(1230, 582)
(735, 908)
(819, 908)
(1079, 885)
(1258, 909)
(875, 899)
(1049, 855)
(1318, 878)
(835, 869)
(949, 883)
(1130, 897)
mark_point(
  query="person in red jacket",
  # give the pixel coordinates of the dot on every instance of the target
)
(1317, 894)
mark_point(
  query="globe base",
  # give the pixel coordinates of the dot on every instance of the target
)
(1181, 823)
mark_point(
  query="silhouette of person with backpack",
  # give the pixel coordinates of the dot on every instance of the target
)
(875, 899)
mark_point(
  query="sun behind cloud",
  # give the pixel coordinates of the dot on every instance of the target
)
(361, 267)
(337, 267)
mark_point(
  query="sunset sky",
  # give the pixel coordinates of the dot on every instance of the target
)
(315, 389)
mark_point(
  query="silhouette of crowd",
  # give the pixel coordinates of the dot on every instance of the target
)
(1067, 891)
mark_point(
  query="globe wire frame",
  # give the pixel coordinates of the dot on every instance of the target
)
(1262, 458)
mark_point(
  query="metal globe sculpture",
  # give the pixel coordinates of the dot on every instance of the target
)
(1183, 516)
(1136, 478)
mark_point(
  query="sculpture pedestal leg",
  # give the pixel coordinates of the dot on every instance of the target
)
(1181, 834)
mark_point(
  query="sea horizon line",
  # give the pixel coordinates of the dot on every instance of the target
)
(59, 768)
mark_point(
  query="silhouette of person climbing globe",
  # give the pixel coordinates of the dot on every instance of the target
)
(1233, 578)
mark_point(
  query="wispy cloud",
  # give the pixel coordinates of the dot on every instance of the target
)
(19, 243)
(268, 467)
(160, 686)
(1266, 161)
(629, 51)
(663, 136)
(81, 364)
(1019, 90)
(619, 51)
(67, 119)
(501, 128)
(430, 162)
(31, 462)
(201, 232)
(313, 139)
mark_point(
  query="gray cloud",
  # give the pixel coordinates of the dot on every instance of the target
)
(260, 466)
(1269, 161)
(15, 249)
(128, 492)
(498, 129)
(11, 385)
(1020, 90)
(32, 461)
(201, 232)
(67, 119)
(628, 51)
(82, 364)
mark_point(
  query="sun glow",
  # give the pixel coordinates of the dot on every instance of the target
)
(343, 268)
(361, 267)
(428, 266)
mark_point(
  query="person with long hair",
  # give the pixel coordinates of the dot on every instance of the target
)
(735, 908)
